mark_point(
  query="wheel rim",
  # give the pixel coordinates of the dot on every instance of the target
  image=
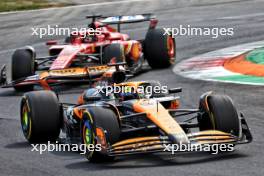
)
(171, 49)
(26, 122)
(87, 133)
(88, 138)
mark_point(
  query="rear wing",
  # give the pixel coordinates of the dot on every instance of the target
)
(125, 19)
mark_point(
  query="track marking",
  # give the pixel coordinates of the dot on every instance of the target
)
(209, 66)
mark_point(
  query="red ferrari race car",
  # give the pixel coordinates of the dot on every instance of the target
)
(91, 55)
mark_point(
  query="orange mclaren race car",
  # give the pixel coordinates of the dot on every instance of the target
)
(137, 119)
(84, 55)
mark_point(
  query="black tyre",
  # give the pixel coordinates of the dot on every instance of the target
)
(114, 50)
(40, 116)
(107, 120)
(23, 65)
(159, 49)
(222, 116)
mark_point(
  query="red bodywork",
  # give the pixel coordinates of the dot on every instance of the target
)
(107, 36)
(73, 61)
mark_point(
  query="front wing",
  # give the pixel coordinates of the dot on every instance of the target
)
(154, 144)
(86, 75)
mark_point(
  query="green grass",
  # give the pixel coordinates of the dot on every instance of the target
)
(256, 56)
(13, 5)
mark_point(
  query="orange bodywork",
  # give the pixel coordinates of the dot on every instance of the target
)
(132, 84)
(78, 71)
(46, 77)
(154, 110)
(161, 117)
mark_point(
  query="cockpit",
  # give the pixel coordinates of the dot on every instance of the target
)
(124, 92)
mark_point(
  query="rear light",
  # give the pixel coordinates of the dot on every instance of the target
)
(174, 104)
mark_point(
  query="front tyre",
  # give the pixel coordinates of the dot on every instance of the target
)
(106, 119)
(222, 115)
(40, 116)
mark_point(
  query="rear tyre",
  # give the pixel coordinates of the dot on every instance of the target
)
(40, 116)
(113, 53)
(105, 119)
(159, 49)
(23, 65)
(222, 116)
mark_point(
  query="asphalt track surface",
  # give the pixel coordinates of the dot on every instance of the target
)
(247, 19)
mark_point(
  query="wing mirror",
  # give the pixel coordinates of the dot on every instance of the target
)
(175, 90)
